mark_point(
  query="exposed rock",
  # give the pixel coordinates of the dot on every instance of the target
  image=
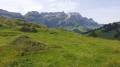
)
(54, 19)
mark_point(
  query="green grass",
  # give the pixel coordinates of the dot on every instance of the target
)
(109, 31)
(53, 47)
(82, 28)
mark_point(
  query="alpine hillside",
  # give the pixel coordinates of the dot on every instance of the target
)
(108, 31)
(27, 44)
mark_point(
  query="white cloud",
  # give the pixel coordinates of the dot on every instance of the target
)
(20, 5)
(24, 6)
(66, 6)
(106, 13)
(51, 0)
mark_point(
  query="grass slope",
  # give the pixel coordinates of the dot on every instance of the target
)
(50, 47)
(109, 31)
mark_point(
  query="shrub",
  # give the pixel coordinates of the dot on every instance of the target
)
(53, 32)
(35, 25)
(33, 29)
(26, 24)
(93, 34)
(77, 31)
(24, 28)
(119, 38)
(1, 25)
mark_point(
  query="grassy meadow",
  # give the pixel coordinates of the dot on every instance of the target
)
(53, 47)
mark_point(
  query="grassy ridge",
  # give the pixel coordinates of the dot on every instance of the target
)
(108, 31)
(49, 47)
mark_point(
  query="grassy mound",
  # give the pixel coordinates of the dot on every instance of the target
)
(26, 44)
(20, 46)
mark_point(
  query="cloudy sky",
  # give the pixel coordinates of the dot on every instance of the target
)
(102, 11)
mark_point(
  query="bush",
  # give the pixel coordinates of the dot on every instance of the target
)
(1, 25)
(35, 25)
(25, 28)
(33, 29)
(93, 34)
(28, 29)
(53, 32)
(77, 31)
(26, 24)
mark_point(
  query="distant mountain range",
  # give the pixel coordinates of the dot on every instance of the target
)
(5, 13)
(72, 21)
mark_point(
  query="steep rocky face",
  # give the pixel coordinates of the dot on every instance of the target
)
(33, 16)
(57, 19)
(10, 14)
(77, 19)
(69, 21)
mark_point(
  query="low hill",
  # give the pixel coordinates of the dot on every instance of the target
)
(52, 47)
(108, 31)
(70, 21)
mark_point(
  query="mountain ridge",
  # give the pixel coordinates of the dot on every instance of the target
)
(64, 20)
